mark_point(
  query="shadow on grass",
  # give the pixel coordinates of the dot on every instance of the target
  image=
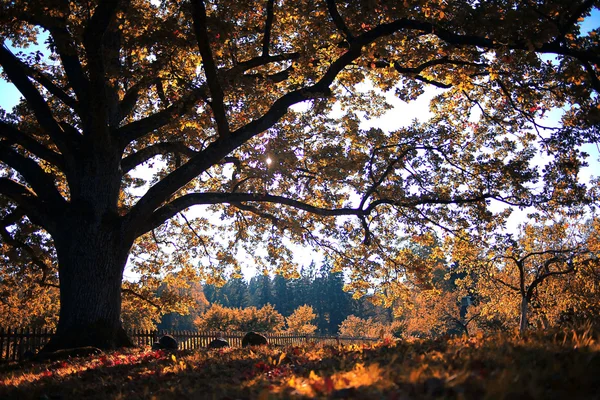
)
(468, 369)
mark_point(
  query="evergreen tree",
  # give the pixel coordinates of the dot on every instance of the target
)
(340, 302)
(234, 293)
(319, 301)
(282, 295)
(260, 289)
(301, 287)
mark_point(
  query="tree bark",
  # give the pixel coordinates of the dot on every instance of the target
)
(523, 320)
(92, 255)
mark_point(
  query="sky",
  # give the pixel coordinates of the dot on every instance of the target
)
(401, 115)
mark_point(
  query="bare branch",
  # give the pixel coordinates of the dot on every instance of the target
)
(137, 129)
(142, 127)
(47, 83)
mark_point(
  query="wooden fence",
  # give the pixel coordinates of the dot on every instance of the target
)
(15, 343)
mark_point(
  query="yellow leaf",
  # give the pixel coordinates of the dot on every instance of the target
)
(281, 357)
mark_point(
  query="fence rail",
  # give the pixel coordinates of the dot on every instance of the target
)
(15, 343)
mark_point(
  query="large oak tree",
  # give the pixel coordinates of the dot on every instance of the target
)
(201, 95)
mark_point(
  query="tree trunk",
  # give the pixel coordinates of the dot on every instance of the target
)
(92, 257)
(523, 321)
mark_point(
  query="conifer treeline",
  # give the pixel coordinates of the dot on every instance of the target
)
(318, 287)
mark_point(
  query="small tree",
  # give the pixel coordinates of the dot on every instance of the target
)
(264, 319)
(543, 252)
(300, 320)
(354, 326)
(219, 318)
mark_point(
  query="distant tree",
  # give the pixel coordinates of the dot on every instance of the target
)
(260, 290)
(516, 274)
(220, 318)
(301, 286)
(184, 319)
(354, 326)
(211, 293)
(234, 293)
(171, 301)
(300, 321)
(282, 295)
(319, 300)
(339, 301)
(264, 319)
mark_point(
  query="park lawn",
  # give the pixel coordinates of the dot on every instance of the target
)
(555, 365)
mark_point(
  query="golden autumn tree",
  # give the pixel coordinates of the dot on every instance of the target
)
(220, 318)
(144, 109)
(301, 320)
(539, 268)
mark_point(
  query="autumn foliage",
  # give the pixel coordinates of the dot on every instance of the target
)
(199, 136)
(223, 319)
(555, 364)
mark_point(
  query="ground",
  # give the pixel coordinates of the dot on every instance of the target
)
(556, 365)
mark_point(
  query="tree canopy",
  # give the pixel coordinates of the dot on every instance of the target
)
(253, 111)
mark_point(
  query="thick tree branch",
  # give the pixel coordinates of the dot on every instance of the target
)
(13, 135)
(137, 158)
(26, 199)
(566, 22)
(137, 129)
(168, 211)
(17, 75)
(415, 201)
(163, 190)
(105, 110)
(132, 96)
(338, 21)
(538, 280)
(40, 181)
(268, 27)
(56, 91)
(66, 49)
(93, 34)
(210, 69)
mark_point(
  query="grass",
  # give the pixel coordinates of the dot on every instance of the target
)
(547, 365)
